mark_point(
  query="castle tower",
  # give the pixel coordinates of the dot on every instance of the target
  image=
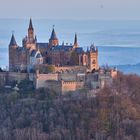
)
(31, 31)
(93, 58)
(13, 42)
(53, 41)
(12, 53)
(75, 45)
(29, 42)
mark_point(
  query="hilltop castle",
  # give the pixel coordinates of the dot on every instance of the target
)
(34, 53)
(60, 67)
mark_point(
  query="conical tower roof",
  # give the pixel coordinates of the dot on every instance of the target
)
(13, 41)
(53, 35)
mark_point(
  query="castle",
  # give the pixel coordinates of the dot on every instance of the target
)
(34, 53)
(60, 67)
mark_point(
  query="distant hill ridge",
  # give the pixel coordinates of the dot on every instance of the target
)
(128, 68)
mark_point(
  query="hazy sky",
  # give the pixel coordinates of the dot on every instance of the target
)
(71, 9)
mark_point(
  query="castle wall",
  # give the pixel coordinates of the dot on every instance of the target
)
(2, 78)
(71, 86)
(92, 80)
(41, 79)
(105, 79)
(67, 77)
(54, 86)
(15, 76)
(71, 69)
(6, 77)
(59, 82)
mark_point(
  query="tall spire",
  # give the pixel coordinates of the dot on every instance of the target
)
(30, 25)
(13, 41)
(53, 35)
(31, 32)
(75, 40)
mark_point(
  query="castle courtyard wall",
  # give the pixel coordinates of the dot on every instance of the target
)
(6, 77)
(17, 76)
(71, 86)
(41, 79)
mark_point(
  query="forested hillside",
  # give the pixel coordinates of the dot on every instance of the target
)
(114, 114)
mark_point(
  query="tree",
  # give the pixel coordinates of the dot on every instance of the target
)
(47, 69)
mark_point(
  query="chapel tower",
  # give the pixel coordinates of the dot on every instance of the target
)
(31, 32)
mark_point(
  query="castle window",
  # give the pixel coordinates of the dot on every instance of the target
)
(85, 58)
(94, 62)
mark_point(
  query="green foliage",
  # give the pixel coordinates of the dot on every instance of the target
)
(13, 83)
(74, 58)
(26, 85)
(13, 97)
(22, 122)
(45, 94)
(47, 69)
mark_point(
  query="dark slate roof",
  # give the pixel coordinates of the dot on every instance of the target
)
(13, 41)
(53, 35)
(62, 48)
(39, 55)
(56, 48)
(42, 45)
(79, 50)
(31, 25)
(68, 47)
(21, 49)
(33, 53)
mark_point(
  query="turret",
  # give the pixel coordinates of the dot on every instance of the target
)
(35, 38)
(93, 48)
(93, 58)
(53, 41)
(87, 50)
(12, 53)
(13, 42)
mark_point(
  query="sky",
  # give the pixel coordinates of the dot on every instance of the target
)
(71, 9)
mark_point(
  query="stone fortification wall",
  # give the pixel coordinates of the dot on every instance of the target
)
(71, 86)
(7, 77)
(41, 79)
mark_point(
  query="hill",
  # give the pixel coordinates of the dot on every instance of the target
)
(113, 114)
(127, 69)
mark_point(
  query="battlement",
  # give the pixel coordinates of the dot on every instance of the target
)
(68, 82)
(71, 86)
(62, 82)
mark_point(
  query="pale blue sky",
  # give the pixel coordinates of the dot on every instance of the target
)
(71, 9)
